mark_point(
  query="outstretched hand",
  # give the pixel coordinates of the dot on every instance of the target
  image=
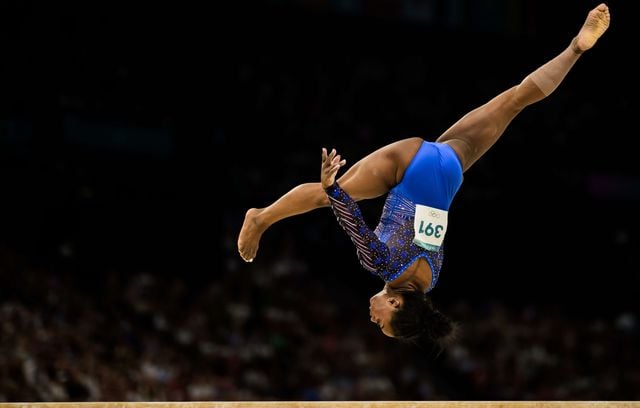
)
(331, 163)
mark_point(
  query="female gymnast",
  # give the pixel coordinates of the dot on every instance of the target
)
(420, 179)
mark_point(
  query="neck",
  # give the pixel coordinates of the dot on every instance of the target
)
(409, 284)
(414, 278)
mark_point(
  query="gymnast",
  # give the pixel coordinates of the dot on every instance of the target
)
(420, 179)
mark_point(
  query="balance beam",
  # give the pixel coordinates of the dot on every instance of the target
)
(331, 404)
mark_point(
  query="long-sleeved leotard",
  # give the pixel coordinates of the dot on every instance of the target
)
(390, 250)
(432, 179)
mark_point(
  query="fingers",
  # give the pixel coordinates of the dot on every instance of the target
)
(331, 163)
(332, 160)
(337, 163)
(336, 160)
(329, 156)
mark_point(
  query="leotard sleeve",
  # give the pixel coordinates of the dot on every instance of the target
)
(372, 253)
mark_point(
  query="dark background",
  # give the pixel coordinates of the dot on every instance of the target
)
(133, 137)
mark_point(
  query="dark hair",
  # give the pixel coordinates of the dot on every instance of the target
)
(418, 322)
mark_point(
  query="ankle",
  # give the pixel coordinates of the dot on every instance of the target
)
(259, 219)
(574, 46)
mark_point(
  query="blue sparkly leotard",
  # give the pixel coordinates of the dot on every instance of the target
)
(432, 178)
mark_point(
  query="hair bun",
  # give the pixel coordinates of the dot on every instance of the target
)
(439, 325)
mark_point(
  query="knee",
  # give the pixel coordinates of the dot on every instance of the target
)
(322, 200)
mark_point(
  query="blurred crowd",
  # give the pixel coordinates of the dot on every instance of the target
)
(266, 333)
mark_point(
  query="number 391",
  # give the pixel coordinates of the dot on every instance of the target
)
(430, 230)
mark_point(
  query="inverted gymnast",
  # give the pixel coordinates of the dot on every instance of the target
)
(420, 179)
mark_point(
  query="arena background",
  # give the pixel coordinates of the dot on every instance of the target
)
(133, 137)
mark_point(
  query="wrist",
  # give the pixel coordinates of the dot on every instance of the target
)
(330, 188)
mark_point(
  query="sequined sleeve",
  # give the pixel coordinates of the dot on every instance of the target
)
(372, 253)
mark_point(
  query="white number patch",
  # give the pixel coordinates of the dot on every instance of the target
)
(429, 225)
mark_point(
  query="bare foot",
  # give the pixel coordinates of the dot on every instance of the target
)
(594, 26)
(249, 238)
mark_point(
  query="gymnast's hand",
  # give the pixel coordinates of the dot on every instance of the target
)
(331, 163)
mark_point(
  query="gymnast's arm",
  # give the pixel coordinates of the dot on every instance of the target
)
(372, 253)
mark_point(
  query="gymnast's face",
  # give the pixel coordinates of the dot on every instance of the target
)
(382, 306)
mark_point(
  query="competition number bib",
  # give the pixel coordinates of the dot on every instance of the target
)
(429, 225)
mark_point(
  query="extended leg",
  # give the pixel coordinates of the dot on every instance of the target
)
(371, 177)
(478, 130)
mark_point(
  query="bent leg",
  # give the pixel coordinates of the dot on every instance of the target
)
(371, 177)
(380, 171)
(301, 199)
(479, 129)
